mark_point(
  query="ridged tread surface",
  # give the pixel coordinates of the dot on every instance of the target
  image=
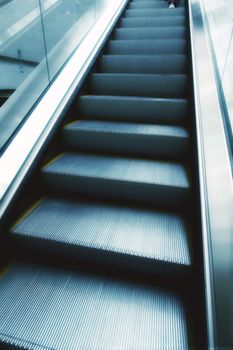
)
(127, 128)
(127, 138)
(134, 232)
(44, 308)
(125, 169)
(127, 178)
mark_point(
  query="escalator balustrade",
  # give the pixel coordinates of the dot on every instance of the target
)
(116, 205)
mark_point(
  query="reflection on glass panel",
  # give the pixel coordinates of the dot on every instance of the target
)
(227, 84)
(21, 43)
(36, 39)
(220, 15)
(220, 19)
(64, 28)
(21, 52)
(101, 4)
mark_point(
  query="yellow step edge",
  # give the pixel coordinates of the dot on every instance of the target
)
(29, 210)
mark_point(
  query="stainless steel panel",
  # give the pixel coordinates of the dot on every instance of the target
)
(216, 187)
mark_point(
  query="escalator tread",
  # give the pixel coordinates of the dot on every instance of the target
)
(127, 138)
(148, 181)
(110, 228)
(109, 313)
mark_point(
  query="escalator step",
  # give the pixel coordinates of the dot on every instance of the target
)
(165, 12)
(153, 22)
(141, 240)
(127, 138)
(152, 64)
(181, 2)
(152, 4)
(148, 85)
(147, 5)
(146, 181)
(149, 33)
(58, 309)
(133, 109)
(147, 47)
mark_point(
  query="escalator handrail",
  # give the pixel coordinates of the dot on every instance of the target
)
(216, 196)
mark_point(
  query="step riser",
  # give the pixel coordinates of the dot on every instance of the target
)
(116, 189)
(144, 64)
(154, 13)
(153, 22)
(150, 47)
(154, 34)
(134, 110)
(136, 145)
(138, 85)
(149, 5)
(105, 259)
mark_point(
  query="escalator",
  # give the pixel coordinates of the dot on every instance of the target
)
(105, 243)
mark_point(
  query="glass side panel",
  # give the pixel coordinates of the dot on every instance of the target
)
(220, 22)
(21, 43)
(36, 39)
(64, 27)
(22, 51)
(100, 5)
(227, 83)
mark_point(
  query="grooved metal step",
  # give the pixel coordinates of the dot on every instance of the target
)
(147, 47)
(133, 109)
(180, 3)
(154, 13)
(45, 308)
(148, 85)
(149, 33)
(146, 181)
(169, 21)
(108, 234)
(127, 138)
(142, 64)
(151, 4)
